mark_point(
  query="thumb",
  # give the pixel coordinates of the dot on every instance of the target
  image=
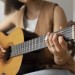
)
(2, 49)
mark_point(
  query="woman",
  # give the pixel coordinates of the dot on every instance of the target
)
(40, 17)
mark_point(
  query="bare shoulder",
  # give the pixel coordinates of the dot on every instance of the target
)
(59, 11)
(9, 19)
(12, 16)
(59, 18)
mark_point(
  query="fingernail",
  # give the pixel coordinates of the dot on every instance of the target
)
(46, 37)
(3, 50)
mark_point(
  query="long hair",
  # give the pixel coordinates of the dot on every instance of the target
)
(12, 5)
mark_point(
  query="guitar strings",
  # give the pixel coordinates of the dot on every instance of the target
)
(30, 48)
(65, 30)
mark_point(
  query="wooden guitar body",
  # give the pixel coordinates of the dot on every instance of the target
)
(12, 66)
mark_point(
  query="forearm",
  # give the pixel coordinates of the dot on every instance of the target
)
(66, 62)
(7, 22)
(71, 64)
(61, 60)
(8, 28)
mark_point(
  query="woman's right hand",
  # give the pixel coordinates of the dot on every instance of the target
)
(2, 52)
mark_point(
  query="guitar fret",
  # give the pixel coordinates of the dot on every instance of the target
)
(15, 51)
(22, 47)
(29, 46)
(38, 43)
(18, 47)
(32, 44)
(26, 45)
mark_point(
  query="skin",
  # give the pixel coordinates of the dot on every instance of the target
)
(59, 50)
(33, 8)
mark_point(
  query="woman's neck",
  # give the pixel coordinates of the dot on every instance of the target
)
(33, 9)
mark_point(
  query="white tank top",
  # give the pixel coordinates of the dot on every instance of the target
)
(31, 24)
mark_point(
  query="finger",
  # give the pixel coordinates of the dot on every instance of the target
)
(56, 43)
(2, 50)
(50, 38)
(46, 40)
(52, 48)
(62, 42)
(47, 36)
(47, 43)
(1, 53)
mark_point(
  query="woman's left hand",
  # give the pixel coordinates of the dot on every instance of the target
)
(58, 47)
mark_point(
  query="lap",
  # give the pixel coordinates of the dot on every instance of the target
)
(51, 72)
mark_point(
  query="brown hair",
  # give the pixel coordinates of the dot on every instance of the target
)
(12, 5)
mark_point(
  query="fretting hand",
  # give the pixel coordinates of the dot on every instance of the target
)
(58, 47)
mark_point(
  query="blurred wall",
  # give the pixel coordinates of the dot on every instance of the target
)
(74, 10)
(1, 11)
(67, 5)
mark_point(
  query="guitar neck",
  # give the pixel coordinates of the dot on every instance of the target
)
(39, 43)
(28, 46)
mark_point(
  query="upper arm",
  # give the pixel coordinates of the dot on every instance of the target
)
(59, 18)
(8, 21)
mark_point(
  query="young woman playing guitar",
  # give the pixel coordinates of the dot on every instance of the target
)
(39, 17)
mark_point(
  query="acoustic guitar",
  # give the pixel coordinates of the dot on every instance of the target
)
(15, 40)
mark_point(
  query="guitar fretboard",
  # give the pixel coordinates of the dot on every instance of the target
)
(39, 42)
